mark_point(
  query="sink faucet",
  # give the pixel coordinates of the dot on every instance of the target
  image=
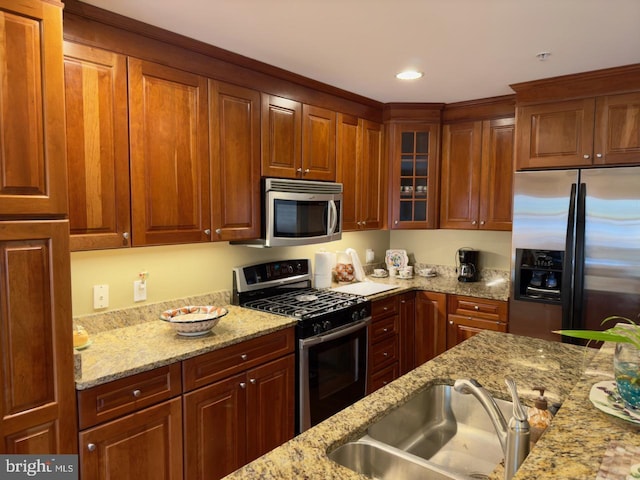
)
(514, 436)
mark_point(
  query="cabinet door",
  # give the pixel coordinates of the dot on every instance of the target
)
(460, 186)
(496, 184)
(347, 171)
(270, 406)
(414, 174)
(169, 155)
(430, 325)
(146, 445)
(37, 399)
(617, 134)
(32, 151)
(235, 161)
(97, 147)
(460, 328)
(407, 332)
(555, 134)
(318, 143)
(281, 137)
(371, 173)
(215, 429)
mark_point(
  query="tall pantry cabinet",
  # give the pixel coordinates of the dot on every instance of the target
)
(37, 396)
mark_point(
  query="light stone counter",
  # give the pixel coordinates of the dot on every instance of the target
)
(572, 448)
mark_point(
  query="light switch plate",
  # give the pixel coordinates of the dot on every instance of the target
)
(100, 296)
(139, 291)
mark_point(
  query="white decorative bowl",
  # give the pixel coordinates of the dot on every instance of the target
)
(192, 321)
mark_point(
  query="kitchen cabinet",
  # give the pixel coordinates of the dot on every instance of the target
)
(430, 325)
(298, 140)
(235, 161)
(468, 316)
(37, 407)
(32, 150)
(414, 175)
(477, 175)
(97, 147)
(360, 168)
(384, 342)
(407, 332)
(238, 405)
(169, 155)
(131, 428)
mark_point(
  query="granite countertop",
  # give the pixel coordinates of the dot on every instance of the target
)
(127, 350)
(572, 447)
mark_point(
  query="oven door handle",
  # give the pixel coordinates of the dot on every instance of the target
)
(309, 342)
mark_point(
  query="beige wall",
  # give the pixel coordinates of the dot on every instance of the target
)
(178, 271)
(439, 246)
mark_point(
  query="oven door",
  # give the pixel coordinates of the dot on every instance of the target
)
(332, 373)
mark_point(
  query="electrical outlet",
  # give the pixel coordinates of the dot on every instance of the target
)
(100, 296)
(139, 291)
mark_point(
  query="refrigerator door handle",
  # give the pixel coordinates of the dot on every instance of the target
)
(578, 283)
(567, 268)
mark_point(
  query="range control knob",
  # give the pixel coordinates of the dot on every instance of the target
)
(355, 315)
(364, 313)
(317, 329)
(326, 325)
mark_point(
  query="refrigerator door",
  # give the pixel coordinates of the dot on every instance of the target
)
(612, 246)
(541, 214)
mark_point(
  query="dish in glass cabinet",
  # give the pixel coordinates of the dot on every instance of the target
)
(605, 397)
(397, 258)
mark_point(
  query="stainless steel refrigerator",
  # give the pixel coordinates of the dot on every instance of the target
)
(575, 250)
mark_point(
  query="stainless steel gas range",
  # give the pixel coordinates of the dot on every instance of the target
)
(331, 334)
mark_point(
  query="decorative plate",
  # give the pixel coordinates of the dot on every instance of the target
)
(605, 397)
(397, 258)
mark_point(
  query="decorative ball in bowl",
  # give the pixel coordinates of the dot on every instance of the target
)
(192, 321)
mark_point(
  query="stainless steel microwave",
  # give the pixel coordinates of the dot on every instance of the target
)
(299, 212)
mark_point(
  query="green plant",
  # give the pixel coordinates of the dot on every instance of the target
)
(627, 331)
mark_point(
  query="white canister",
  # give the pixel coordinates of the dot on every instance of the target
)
(324, 263)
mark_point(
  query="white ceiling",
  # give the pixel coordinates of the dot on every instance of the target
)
(468, 49)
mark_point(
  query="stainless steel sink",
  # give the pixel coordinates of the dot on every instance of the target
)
(440, 430)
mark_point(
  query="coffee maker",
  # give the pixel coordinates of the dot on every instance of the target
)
(468, 265)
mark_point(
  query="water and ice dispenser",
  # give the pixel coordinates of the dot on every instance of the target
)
(538, 275)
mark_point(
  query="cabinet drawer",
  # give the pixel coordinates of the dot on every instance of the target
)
(385, 306)
(384, 327)
(104, 402)
(383, 353)
(216, 365)
(383, 377)
(478, 307)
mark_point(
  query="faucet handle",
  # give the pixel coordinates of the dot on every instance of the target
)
(518, 410)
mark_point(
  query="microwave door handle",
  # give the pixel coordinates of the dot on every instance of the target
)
(333, 217)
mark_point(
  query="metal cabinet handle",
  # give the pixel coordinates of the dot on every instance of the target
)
(306, 170)
(252, 381)
(207, 232)
(586, 156)
(364, 223)
(125, 235)
(481, 222)
(218, 231)
(136, 393)
(243, 356)
(450, 322)
(396, 222)
(598, 155)
(385, 330)
(385, 354)
(243, 385)
(91, 447)
(476, 307)
(299, 169)
(474, 222)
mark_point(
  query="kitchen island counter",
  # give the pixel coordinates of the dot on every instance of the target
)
(571, 448)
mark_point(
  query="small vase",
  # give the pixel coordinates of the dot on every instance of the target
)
(626, 367)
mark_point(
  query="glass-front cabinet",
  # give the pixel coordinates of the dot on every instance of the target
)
(414, 155)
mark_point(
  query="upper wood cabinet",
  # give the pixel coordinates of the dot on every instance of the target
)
(235, 161)
(360, 168)
(580, 133)
(32, 150)
(477, 175)
(37, 394)
(298, 141)
(97, 147)
(414, 167)
(168, 128)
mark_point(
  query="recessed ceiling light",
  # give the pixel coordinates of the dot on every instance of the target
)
(409, 75)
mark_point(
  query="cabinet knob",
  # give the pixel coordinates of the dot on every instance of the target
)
(125, 235)
(364, 223)
(252, 381)
(586, 156)
(136, 393)
(385, 330)
(598, 155)
(218, 231)
(450, 322)
(474, 222)
(396, 222)
(476, 307)
(385, 354)
(243, 356)
(243, 385)
(299, 170)
(481, 222)
(207, 232)
(306, 170)
(91, 447)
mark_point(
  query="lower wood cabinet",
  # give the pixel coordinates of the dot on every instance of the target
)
(468, 316)
(384, 342)
(234, 421)
(430, 326)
